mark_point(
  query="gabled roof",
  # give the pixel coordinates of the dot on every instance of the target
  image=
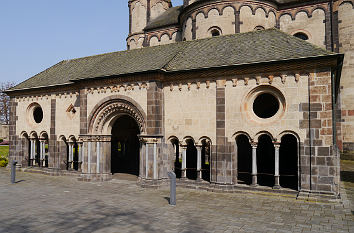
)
(237, 49)
(168, 18)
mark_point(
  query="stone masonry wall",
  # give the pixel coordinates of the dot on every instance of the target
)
(346, 46)
(319, 161)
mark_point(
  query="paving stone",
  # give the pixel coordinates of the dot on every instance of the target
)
(42, 203)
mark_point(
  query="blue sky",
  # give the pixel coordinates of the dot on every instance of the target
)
(36, 34)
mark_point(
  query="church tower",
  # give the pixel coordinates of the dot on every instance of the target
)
(141, 12)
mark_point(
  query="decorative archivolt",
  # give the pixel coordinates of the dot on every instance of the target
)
(105, 115)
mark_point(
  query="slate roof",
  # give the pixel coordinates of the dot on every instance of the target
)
(237, 49)
(276, 1)
(169, 17)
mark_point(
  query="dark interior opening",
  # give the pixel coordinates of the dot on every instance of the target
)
(206, 160)
(76, 157)
(265, 161)
(265, 105)
(215, 32)
(125, 146)
(178, 159)
(288, 162)
(301, 35)
(244, 160)
(191, 160)
(38, 114)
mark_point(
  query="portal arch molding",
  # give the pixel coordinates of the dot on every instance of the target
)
(108, 110)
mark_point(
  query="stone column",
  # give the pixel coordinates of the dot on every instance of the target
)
(71, 155)
(98, 157)
(155, 162)
(199, 163)
(41, 153)
(254, 164)
(184, 162)
(80, 146)
(31, 153)
(34, 148)
(276, 166)
(147, 161)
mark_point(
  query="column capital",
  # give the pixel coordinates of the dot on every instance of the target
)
(254, 145)
(276, 145)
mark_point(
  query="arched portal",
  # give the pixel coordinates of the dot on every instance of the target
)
(288, 162)
(265, 161)
(244, 160)
(125, 146)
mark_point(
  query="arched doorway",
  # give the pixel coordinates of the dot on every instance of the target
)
(288, 162)
(125, 146)
(265, 161)
(244, 160)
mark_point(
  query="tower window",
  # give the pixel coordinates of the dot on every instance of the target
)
(215, 32)
(301, 35)
(259, 28)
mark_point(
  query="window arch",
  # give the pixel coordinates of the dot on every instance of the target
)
(215, 31)
(259, 28)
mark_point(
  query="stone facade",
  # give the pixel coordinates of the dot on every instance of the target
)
(205, 124)
(327, 24)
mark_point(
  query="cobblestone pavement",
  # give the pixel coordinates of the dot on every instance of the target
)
(40, 203)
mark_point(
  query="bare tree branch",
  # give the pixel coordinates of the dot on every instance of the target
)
(5, 102)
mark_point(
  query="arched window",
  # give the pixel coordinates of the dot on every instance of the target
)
(301, 35)
(259, 28)
(215, 31)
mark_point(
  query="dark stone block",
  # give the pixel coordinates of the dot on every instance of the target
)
(323, 151)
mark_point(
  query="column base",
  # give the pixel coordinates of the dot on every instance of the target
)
(254, 181)
(276, 182)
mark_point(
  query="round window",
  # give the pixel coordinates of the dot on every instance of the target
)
(38, 114)
(265, 105)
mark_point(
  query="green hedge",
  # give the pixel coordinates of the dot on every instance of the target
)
(4, 153)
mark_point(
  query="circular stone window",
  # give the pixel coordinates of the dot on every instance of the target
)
(265, 105)
(34, 114)
(38, 114)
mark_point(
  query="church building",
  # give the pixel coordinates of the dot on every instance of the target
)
(228, 94)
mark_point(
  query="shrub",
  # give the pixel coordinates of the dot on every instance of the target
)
(1, 140)
(4, 143)
(3, 161)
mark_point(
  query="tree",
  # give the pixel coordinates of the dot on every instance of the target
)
(5, 102)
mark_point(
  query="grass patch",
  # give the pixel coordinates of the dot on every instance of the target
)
(4, 151)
